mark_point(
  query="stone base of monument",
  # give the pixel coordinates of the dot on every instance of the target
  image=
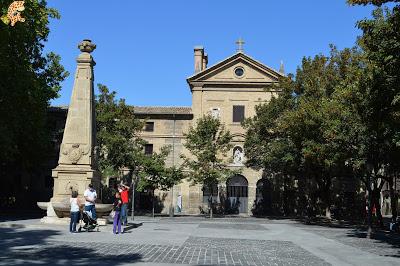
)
(58, 213)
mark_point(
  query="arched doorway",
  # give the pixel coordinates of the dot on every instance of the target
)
(237, 193)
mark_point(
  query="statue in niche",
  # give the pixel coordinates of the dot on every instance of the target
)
(238, 155)
(215, 112)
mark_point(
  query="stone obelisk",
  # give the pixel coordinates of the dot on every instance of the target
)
(77, 166)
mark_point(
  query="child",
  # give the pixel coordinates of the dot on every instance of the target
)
(74, 211)
(117, 216)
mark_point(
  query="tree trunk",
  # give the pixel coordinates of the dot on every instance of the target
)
(324, 187)
(377, 204)
(327, 196)
(284, 196)
(393, 201)
(133, 201)
(211, 206)
(328, 213)
(376, 201)
(369, 214)
(152, 202)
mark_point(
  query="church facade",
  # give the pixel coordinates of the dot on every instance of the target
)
(229, 90)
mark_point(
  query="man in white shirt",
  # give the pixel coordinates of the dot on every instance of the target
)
(90, 199)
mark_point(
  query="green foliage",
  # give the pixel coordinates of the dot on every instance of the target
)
(292, 136)
(117, 133)
(29, 80)
(156, 175)
(373, 2)
(120, 145)
(372, 98)
(266, 148)
(380, 87)
(208, 144)
(345, 122)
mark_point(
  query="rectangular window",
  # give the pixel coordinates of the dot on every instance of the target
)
(238, 113)
(149, 127)
(148, 149)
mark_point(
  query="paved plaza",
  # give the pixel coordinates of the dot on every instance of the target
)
(195, 241)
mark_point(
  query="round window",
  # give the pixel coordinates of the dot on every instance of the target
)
(239, 71)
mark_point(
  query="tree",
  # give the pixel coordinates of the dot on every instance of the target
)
(117, 133)
(208, 143)
(369, 116)
(374, 2)
(269, 149)
(118, 139)
(380, 103)
(288, 137)
(120, 145)
(346, 120)
(156, 174)
(29, 80)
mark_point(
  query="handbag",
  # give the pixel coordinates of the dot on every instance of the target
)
(112, 214)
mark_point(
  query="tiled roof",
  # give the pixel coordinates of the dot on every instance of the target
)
(157, 110)
(163, 110)
(58, 108)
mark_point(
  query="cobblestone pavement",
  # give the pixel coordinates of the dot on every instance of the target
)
(383, 244)
(192, 242)
(195, 251)
(232, 226)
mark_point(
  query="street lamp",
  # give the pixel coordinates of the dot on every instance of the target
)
(133, 196)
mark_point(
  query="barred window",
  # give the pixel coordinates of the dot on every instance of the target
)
(148, 149)
(237, 192)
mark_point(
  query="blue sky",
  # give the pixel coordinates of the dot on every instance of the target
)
(145, 48)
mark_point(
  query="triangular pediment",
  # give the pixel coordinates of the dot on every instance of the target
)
(225, 71)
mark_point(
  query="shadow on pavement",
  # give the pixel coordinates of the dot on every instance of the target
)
(27, 247)
(18, 215)
(131, 226)
(380, 239)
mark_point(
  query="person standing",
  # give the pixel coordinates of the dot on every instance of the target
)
(179, 203)
(90, 200)
(74, 212)
(117, 215)
(125, 201)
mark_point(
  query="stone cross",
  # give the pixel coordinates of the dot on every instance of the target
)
(240, 44)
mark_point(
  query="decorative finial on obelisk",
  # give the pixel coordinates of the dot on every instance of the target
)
(86, 46)
(240, 44)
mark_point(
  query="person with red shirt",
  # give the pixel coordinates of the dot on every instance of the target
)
(124, 190)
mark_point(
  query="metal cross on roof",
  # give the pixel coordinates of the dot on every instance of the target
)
(240, 44)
